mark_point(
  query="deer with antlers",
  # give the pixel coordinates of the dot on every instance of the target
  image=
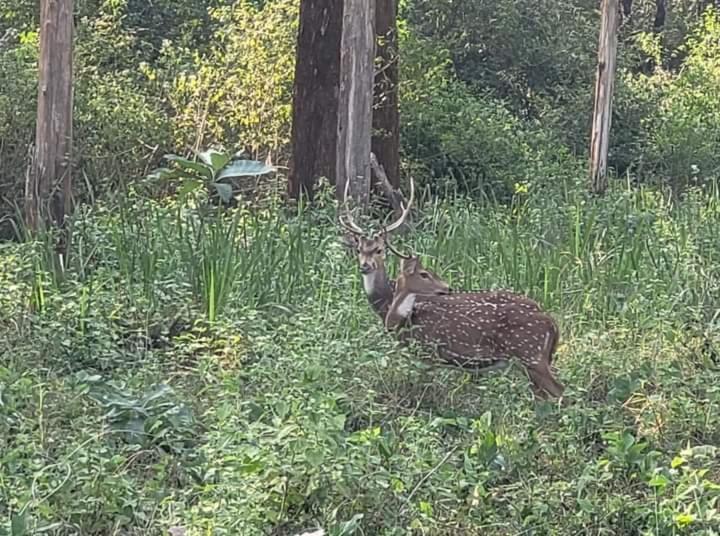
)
(470, 332)
(371, 252)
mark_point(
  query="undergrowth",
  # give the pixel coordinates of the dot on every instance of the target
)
(224, 374)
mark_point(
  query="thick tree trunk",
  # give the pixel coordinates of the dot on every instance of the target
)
(48, 187)
(315, 95)
(386, 115)
(602, 114)
(357, 58)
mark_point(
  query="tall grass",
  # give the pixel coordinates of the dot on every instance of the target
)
(596, 260)
(302, 408)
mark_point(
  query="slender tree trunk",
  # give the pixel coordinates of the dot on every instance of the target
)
(704, 4)
(660, 11)
(48, 187)
(627, 8)
(386, 115)
(357, 58)
(315, 95)
(602, 114)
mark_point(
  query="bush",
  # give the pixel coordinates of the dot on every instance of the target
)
(467, 141)
(239, 93)
(682, 136)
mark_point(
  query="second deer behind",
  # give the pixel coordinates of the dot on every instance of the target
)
(471, 332)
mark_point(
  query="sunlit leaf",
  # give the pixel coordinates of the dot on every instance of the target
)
(683, 520)
(243, 168)
(186, 164)
(215, 159)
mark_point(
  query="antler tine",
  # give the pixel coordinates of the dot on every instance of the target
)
(395, 251)
(350, 225)
(405, 212)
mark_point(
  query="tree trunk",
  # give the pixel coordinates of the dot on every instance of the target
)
(48, 187)
(357, 58)
(386, 115)
(602, 114)
(627, 8)
(704, 4)
(315, 95)
(660, 10)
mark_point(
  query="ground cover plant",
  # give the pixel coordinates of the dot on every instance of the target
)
(127, 410)
(204, 361)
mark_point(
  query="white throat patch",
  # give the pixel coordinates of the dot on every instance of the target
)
(369, 282)
(405, 307)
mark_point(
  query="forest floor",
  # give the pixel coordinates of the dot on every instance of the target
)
(164, 379)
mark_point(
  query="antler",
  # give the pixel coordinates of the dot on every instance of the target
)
(355, 229)
(395, 251)
(406, 210)
(390, 228)
(350, 225)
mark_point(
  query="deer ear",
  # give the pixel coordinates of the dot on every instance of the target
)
(408, 266)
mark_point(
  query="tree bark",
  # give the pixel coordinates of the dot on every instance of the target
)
(357, 58)
(660, 11)
(604, 85)
(386, 115)
(627, 8)
(48, 187)
(315, 96)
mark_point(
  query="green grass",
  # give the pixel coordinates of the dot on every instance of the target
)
(226, 375)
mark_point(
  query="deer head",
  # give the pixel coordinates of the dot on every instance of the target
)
(413, 280)
(370, 250)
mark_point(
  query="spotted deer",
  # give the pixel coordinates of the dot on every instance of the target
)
(473, 333)
(371, 251)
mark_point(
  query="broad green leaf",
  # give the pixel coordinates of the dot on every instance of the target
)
(659, 481)
(223, 190)
(215, 159)
(244, 168)
(202, 169)
(315, 457)
(585, 505)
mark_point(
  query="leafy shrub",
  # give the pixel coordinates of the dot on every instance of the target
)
(465, 141)
(239, 93)
(684, 134)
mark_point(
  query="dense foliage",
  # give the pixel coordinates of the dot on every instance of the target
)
(125, 408)
(210, 365)
(491, 91)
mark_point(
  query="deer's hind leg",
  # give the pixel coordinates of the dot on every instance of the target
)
(537, 354)
(543, 381)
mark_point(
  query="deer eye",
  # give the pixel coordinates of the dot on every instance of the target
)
(424, 275)
(378, 251)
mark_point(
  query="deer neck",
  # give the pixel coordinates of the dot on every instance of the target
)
(400, 310)
(379, 289)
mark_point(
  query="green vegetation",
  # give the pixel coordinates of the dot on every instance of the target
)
(209, 361)
(126, 409)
